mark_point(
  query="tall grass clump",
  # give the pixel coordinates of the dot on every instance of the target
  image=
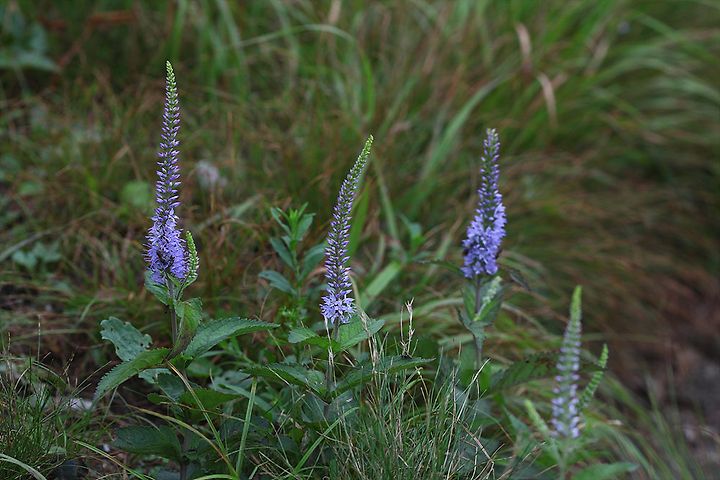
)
(413, 425)
(37, 425)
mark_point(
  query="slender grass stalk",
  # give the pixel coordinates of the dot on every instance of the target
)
(246, 428)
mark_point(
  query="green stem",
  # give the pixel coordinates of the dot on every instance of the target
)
(331, 364)
(478, 350)
(173, 316)
(478, 339)
(174, 335)
(184, 448)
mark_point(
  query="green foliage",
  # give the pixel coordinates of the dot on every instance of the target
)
(159, 291)
(189, 317)
(534, 367)
(409, 427)
(40, 256)
(24, 42)
(38, 421)
(482, 305)
(137, 195)
(304, 335)
(356, 331)
(129, 341)
(294, 224)
(215, 331)
(312, 380)
(366, 372)
(604, 471)
(610, 108)
(161, 441)
(128, 369)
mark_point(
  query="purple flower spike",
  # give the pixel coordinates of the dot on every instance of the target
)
(565, 403)
(165, 248)
(486, 231)
(338, 304)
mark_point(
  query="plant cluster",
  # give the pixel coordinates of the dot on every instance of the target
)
(339, 396)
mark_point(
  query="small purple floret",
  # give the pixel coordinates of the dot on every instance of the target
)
(338, 304)
(165, 248)
(486, 231)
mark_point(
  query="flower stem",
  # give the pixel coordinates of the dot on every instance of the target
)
(478, 339)
(173, 316)
(331, 364)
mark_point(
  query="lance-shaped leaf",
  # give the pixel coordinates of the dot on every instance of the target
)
(161, 441)
(277, 281)
(122, 372)
(210, 334)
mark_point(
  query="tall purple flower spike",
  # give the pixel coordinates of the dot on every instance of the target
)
(338, 304)
(565, 403)
(165, 248)
(486, 231)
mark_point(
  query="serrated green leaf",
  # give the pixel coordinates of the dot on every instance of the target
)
(161, 441)
(311, 379)
(386, 365)
(211, 333)
(277, 281)
(128, 340)
(604, 471)
(356, 331)
(124, 371)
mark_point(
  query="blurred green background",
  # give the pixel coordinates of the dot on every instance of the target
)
(609, 113)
